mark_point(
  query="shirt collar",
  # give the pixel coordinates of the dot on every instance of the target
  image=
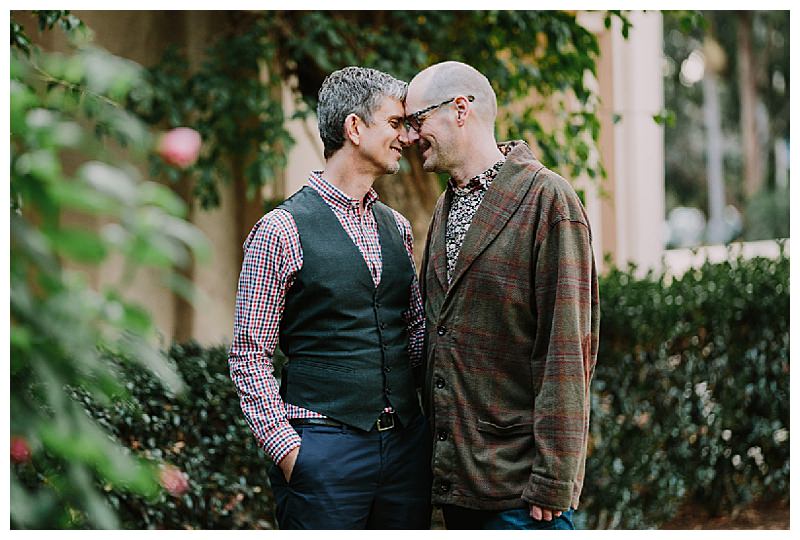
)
(335, 196)
(479, 182)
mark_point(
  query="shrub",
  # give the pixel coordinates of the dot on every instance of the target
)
(203, 434)
(73, 154)
(690, 399)
(690, 405)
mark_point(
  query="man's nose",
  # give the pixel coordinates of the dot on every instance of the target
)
(412, 135)
(403, 136)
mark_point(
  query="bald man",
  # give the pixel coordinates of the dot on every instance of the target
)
(511, 306)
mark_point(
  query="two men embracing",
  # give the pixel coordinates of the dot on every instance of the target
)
(501, 351)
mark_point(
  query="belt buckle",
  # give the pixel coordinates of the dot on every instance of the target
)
(380, 425)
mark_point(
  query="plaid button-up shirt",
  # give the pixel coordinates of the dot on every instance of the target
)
(273, 256)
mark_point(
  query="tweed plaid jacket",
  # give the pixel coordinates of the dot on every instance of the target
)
(511, 344)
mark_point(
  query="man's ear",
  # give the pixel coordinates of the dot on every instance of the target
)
(352, 129)
(462, 109)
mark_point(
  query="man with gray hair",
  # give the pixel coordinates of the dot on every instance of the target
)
(329, 275)
(510, 289)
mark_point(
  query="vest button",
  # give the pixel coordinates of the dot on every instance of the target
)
(439, 382)
(388, 391)
(442, 436)
(385, 347)
(387, 369)
(444, 487)
(383, 325)
(377, 304)
(441, 330)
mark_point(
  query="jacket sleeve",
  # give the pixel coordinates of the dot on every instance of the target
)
(566, 334)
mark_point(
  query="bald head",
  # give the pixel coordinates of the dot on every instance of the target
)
(448, 79)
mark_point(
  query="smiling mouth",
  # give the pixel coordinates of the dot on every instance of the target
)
(399, 152)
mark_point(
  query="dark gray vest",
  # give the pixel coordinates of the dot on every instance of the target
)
(345, 339)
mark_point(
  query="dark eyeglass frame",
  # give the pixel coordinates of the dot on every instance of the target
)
(414, 120)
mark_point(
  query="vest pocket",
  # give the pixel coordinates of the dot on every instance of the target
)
(504, 431)
(315, 365)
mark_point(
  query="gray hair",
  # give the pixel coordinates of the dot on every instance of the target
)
(352, 90)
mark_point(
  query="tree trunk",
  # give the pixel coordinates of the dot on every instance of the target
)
(753, 166)
(716, 188)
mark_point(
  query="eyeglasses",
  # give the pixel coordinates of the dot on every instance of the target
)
(414, 120)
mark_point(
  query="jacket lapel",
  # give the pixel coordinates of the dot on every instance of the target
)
(500, 202)
(438, 247)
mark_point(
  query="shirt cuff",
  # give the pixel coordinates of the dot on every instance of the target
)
(281, 440)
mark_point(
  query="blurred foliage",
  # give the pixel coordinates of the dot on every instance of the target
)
(203, 433)
(767, 214)
(690, 398)
(234, 96)
(46, 21)
(685, 140)
(76, 204)
(690, 404)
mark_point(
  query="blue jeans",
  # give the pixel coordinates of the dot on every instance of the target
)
(456, 517)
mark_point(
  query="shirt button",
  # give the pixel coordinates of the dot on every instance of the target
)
(442, 435)
(439, 382)
(441, 330)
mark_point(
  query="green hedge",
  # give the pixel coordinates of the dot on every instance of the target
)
(690, 406)
(690, 400)
(202, 433)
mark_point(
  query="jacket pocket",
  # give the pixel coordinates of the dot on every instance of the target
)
(504, 431)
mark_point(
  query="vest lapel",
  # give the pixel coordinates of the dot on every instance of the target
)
(498, 205)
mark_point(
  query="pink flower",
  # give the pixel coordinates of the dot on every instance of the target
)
(20, 451)
(180, 147)
(173, 480)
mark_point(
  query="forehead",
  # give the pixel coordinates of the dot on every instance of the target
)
(414, 101)
(390, 107)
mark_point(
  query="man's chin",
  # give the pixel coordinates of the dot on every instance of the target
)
(393, 168)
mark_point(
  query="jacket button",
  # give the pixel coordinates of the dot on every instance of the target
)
(444, 487)
(439, 382)
(387, 369)
(441, 330)
(442, 435)
(377, 304)
(388, 390)
(383, 325)
(384, 346)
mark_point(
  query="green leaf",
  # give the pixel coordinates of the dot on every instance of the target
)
(163, 197)
(109, 180)
(79, 244)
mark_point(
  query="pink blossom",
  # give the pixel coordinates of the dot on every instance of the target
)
(174, 480)
(20, 450)
(180, 147)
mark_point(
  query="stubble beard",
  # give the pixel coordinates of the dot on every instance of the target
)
(393, 168)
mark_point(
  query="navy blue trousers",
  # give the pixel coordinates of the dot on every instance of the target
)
(346, 478)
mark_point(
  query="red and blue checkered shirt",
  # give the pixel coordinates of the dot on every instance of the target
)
(273, 256)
